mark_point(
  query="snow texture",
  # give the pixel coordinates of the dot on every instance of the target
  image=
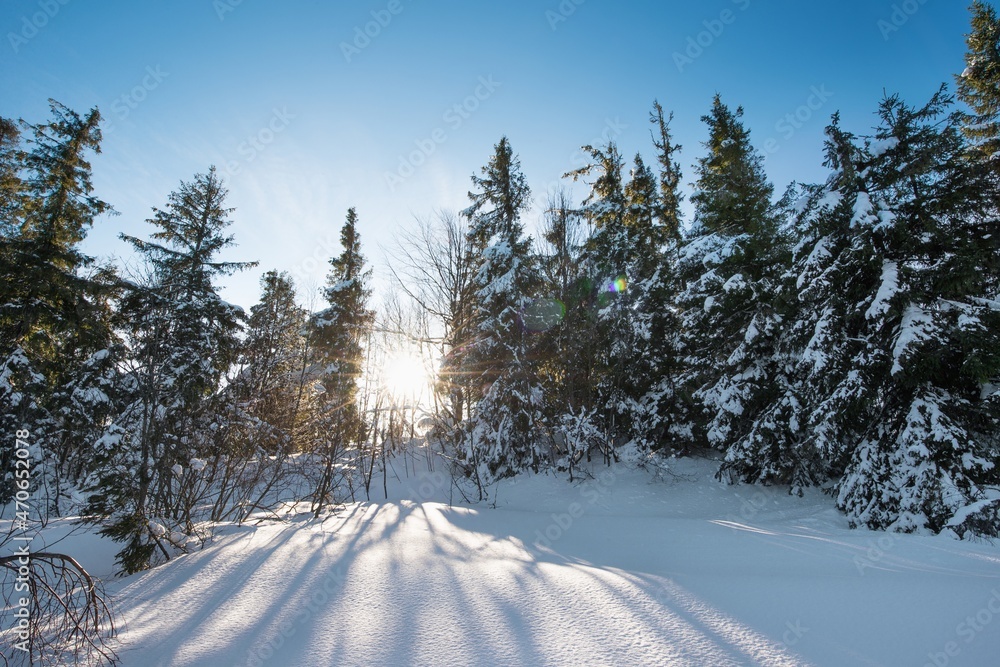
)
(624, 569)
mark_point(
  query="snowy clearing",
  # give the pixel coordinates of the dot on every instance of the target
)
(619, 570)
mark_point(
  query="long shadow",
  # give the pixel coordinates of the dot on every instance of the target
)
(497, 618)
(191, 603)
(696, 632)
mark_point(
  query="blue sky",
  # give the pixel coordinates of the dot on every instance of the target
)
(307, 115)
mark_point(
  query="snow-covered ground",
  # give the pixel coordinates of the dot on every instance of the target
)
(623, 569)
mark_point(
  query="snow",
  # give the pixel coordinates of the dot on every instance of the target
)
(736, 283)
(820, 253)
(880, 147)
(887, 290)
(632, 567)
(916, 327)
(862, 209)
(157, 529)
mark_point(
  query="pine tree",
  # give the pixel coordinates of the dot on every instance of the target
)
(55, 319)
(979, 84)
(338, 336)
(661, 414)
(610, 257)
(270, 388)
(566, 321)
(501, 436)
(928, 451)
(183, 338)
(730, 264)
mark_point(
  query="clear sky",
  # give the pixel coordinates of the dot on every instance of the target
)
(306, 115)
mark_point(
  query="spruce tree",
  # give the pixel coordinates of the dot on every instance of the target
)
(501, 436)
(661, 415)
(11, 161)
(183, 339)
(610, 258)
(566, 321)
(338, 335)
(55, 318)
(730, 264)
(270, 388)
(979, 84)
(926, 459)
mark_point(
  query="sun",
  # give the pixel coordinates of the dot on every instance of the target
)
(405, 375)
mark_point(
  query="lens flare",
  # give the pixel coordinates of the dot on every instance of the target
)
(543, 314)
(619, 285)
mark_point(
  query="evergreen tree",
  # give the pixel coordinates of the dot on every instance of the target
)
(270, 388)
(928, 451)
(567, 321)
(49, 310)
(54, 321)
(979, 84)
(501, 437)
(670, 173)
(730, 264)
(338, 335)
(11, 164)
(661, 414)
(610, 257)
(183, 339)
